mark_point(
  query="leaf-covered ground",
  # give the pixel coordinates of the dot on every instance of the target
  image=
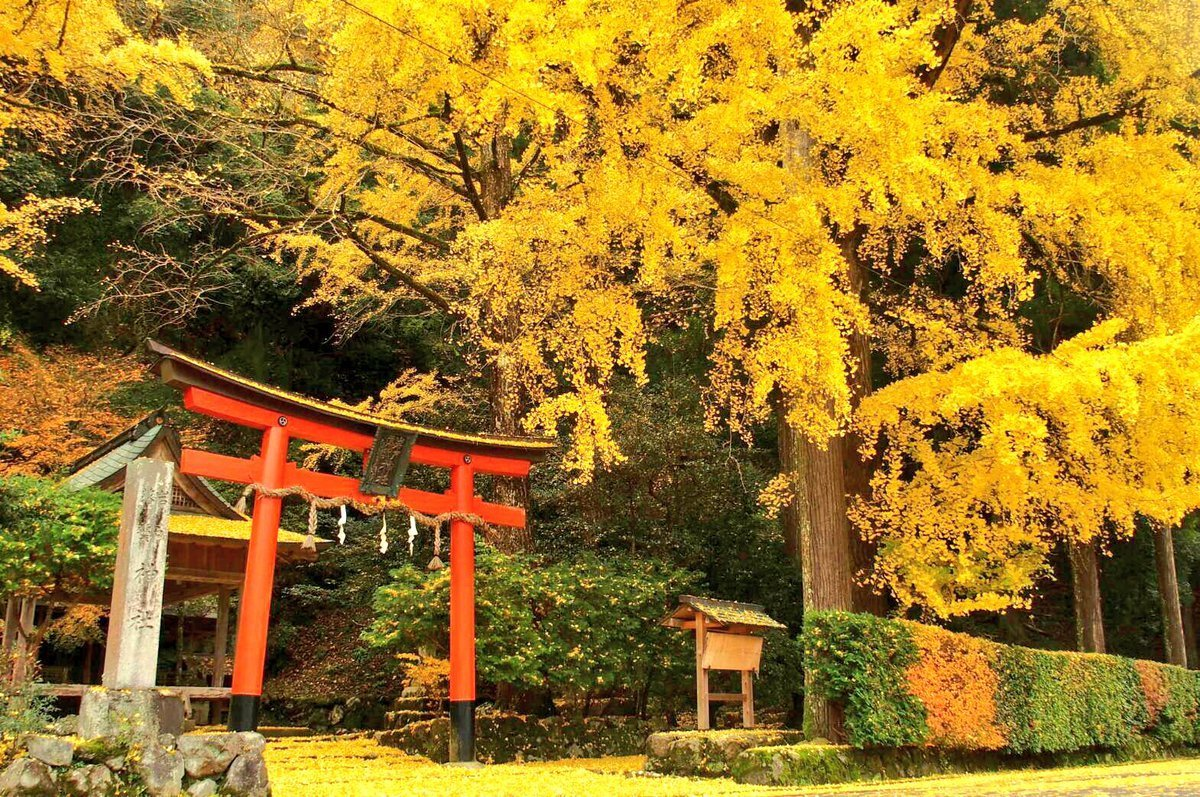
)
(356, 766)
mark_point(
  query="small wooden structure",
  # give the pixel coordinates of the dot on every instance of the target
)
(727, 638)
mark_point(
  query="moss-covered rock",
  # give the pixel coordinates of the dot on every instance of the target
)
(817, 764)
(708, 754)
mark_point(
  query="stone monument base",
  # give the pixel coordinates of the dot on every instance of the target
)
(129, 742)
(130, 714)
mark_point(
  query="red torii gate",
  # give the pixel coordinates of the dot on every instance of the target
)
(284, 416)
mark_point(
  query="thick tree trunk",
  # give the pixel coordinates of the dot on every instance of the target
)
(491, 186)
(815, 528)
(1168, 590)
(24, 665)
(795, 513)
(1085, 583)
(857, 471)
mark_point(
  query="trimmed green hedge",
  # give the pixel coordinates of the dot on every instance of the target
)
(902, 683)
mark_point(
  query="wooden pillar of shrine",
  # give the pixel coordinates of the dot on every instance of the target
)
(221, 638)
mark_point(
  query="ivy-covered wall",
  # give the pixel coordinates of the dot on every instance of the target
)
(903, 683)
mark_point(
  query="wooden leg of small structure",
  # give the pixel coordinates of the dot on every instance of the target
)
(747, 698)
(23, 654)
(702, 715)
(89, 653)
(11, 618)
(180, 635)
(221, 638)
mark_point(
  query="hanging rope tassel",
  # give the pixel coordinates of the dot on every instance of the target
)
(369, 508)
(435, 563)
(240, 506)
(310, 540)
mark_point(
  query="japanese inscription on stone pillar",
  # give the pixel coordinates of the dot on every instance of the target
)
(131, 657)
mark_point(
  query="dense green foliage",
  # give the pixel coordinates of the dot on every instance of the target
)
(1041, 702)
(1051, 702)
(580, 628)
(52, 538)
(860, 661)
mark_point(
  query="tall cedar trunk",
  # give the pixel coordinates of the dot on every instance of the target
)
(1085, 584)
(857, 471)
(821, 545)
(506, 414)
(1168, 590)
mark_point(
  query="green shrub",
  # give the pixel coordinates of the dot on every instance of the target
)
(860, 660)
(53, 539)
(1045, 702)
(1179, 723)
(581, 628)
(1055, 702)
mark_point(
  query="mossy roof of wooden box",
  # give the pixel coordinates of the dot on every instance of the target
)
(727, 615)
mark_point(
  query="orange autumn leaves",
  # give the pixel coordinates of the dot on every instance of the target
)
(1154, 688)
(56, 407)
(955, 680)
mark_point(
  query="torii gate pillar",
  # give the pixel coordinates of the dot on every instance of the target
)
(462, 619)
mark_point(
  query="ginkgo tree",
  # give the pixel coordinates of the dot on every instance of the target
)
(65, 60)
(848, 191)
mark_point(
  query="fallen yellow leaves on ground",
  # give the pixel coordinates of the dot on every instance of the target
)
(358, 766)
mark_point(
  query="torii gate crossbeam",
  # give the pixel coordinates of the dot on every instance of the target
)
(283, 417)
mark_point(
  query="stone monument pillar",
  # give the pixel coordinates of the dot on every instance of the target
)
(131, 657)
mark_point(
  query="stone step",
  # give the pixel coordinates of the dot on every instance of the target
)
(410, 704)
(398, 719)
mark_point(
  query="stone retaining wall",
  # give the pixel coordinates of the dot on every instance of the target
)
(197, 765)
(708, 754)
(503, 737)
(781, 758)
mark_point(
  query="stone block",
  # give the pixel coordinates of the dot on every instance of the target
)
(208, 754)
(203, 788)
(708, 753)
(52, 750)
(161, 770)
(66, 726)
(247, 777)
(28, 777)
(131, 714)
(251, 742)
(91, 780)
